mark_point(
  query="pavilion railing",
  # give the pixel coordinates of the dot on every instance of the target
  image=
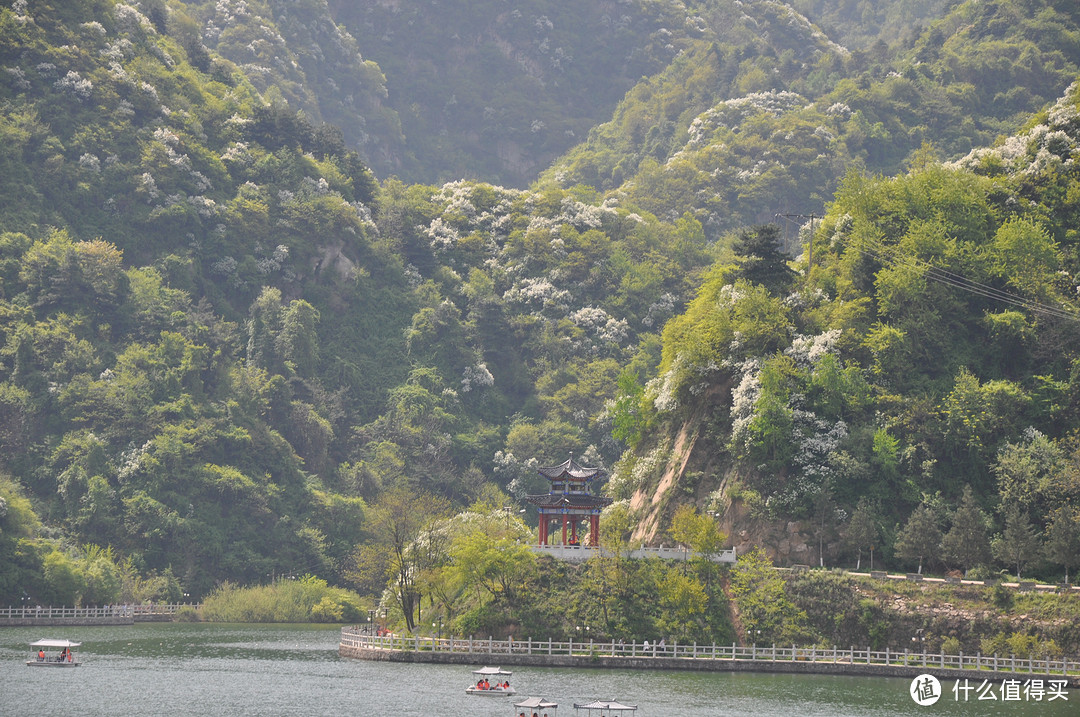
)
(358, 639)
(584, 552)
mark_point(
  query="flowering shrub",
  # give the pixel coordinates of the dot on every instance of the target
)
(75, 85)
(729, 114)
(1050, 146)
(476, 376)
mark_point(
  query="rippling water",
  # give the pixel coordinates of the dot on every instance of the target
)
(228, 670)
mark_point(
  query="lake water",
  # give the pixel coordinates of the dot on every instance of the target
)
(228, 670)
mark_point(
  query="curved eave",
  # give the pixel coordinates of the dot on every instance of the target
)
(559, 500)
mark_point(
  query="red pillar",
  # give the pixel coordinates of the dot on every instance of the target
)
(573, 531)
(564, 529)
(541, 532)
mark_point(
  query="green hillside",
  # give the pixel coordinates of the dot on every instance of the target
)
(220, 337)
(928, 351)
(234, 346)
(749, 124)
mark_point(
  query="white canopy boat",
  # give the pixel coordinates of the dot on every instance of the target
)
(535, 707)
(604, 708)
(491, 682)
(53, 653)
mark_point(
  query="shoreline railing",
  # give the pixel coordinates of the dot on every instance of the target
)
(145, 610)
(356, 638)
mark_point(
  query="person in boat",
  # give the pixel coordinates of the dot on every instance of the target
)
(41, 655)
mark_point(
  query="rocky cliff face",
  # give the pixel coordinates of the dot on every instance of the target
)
(690, 466)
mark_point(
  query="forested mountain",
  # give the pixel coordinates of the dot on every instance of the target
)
(231, 341)
(928, 349)
(218, 341)
(760, 122)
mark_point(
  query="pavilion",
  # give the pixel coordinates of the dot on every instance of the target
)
(570, 500)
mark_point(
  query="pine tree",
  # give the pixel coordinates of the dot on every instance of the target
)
(966, 543)
(1018, 544)
(920, 538)
(761, 259)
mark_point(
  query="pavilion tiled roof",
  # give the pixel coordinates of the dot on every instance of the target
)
(571, 468)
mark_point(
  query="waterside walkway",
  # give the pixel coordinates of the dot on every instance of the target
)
(709, 658)
(1022, 585)
(110, 615)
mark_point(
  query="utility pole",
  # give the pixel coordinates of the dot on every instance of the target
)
(810, 244)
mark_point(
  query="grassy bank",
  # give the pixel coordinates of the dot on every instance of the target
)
(843, 609)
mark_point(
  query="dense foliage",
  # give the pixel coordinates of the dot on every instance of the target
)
(229, 353)
(212, 353)
(923, 368)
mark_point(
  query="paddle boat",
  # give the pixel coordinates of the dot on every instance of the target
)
(491, 682)
(53, 653)
(535, 707)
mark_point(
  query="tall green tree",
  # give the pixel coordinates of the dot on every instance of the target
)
(1063, 538)
(498, 566)
(1018, 544)
(766, 611)
(20, 566)
(761, 259)
(403, 543)
(920, 538)
(966, 544)
(862, 532)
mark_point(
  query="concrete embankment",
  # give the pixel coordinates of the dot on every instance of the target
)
(699, 664)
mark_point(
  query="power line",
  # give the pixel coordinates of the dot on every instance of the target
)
(811, 217)
(885, 255)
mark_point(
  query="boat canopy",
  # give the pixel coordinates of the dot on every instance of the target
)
(55, 643)
(606, 708)
(537, 703)
(492, 671)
